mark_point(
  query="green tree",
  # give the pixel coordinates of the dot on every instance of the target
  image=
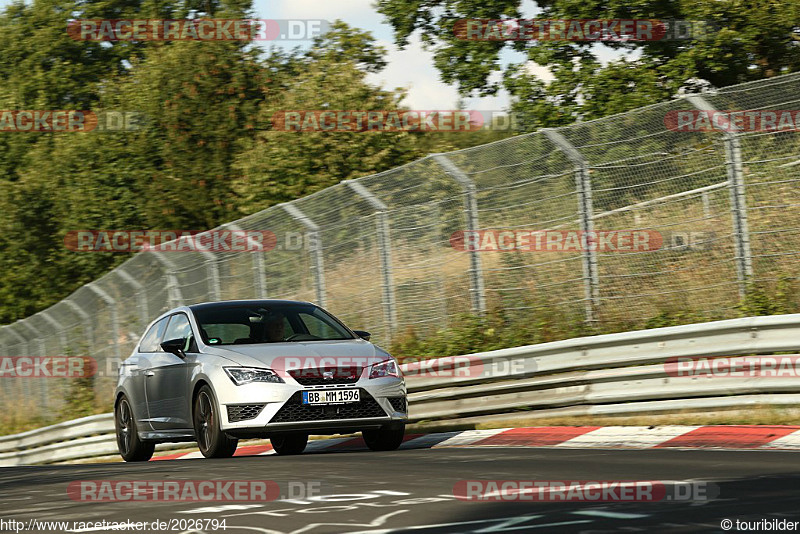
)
(755, 40)
(278, 166)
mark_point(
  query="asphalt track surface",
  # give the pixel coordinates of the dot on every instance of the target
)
(413, 491)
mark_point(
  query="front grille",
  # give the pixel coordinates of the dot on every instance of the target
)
(398, 403)
(294, 411)
(243, 412)
(316, 376)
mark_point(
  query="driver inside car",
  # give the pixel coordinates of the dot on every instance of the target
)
(274, 330)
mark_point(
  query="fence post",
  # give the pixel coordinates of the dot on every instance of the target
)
(259, 268)
(87, 323)
(7, 389)
(477, 289)
(23, 341)
(36, 336)
(583, 186)
(174, 295)
(62, 336)
(736, 186)
(20, 390)
(115, 327)
(211, 268)
(385, 246)
(315, 246)
(141, 295)
(43, 390)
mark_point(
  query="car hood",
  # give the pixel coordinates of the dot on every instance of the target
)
(293, 355)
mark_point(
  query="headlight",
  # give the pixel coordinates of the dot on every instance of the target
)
(245, 375)
(383, 369)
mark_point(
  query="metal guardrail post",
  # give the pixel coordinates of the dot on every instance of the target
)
(385, 246)
(591, 277)
(259, 269)
(736, 184)
(141, 295)
(87, 323)
(174, 295)
(315, 246)
(478, 289)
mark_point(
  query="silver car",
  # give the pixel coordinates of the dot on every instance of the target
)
(218, 372)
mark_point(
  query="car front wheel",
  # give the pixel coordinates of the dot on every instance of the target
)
(131, 448)
(289, 443)
(386, 438)
(212, 441)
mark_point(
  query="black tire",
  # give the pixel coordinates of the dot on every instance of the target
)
(131, 448)
(386, 438)
(287, 444)
(212, 441)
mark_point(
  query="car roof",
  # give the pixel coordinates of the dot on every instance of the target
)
(251, 302)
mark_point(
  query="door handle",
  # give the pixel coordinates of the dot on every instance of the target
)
(149, 373)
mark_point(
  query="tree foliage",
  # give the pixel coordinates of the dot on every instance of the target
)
(200, 155)
(754, 40)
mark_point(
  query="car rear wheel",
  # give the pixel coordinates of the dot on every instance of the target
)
(212, 441)
(289, 443)
(386, 438)
(131, 448)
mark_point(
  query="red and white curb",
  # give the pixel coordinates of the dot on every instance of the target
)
(748, 437)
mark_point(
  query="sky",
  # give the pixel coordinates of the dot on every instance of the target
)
(411, 68)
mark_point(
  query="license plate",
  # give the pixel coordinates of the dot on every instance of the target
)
(331, 396)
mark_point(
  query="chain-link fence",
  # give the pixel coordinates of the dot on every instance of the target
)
(379, 251)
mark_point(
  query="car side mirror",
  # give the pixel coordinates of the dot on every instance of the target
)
(362, 334)
(174, 346)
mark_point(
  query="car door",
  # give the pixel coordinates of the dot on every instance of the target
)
(167, 380)
(139, 365)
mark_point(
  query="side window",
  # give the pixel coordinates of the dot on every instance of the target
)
(153, 336)
(179, 328)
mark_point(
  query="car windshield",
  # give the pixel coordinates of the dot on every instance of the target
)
(241, 324)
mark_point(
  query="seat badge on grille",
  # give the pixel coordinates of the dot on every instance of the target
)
(327, 375)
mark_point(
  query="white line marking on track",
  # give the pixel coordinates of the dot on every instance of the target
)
(637, 437)
(468, 437)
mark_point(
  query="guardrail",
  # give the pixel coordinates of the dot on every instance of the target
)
(613, 374)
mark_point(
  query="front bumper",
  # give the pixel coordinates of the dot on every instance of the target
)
(383, 401)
